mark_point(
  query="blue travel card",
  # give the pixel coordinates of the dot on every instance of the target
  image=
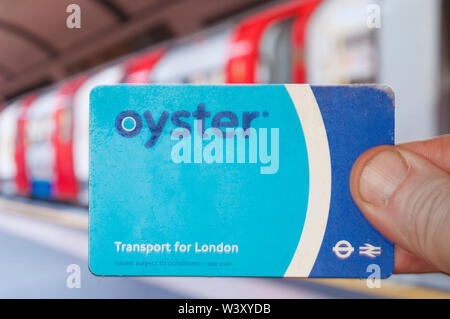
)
(233, 180)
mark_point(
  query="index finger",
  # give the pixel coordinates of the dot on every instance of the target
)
(436, 150)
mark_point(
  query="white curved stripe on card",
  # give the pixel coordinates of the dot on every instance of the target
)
(319, 180)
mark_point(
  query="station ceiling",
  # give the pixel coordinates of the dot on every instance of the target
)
(37, 48)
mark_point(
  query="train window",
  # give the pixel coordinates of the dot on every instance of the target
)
(359, 58)
(275, 53)
(8, 132)
(65, 125)
(340, 48)
(202, 60)
(39, 129)
(40, 123)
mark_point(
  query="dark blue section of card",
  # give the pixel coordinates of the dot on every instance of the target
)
(356, 119)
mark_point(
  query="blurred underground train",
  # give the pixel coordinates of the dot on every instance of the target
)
(44, 135)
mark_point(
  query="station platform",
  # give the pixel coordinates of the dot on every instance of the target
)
(39, 240)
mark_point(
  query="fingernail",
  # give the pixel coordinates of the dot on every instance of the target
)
(381, 177)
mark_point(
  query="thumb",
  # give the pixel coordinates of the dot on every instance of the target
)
(407, 199)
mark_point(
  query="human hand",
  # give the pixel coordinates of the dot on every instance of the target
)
(404, 192)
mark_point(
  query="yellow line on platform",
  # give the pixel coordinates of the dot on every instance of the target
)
(389, 289)
(57, 216)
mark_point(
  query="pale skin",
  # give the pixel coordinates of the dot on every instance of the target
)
(404, 192)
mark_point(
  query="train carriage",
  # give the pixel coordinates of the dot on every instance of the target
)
(111, 75)
(138, 69)
(314, 41)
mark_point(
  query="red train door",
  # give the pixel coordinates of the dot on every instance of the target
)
(247, 63)
(66, 185)
(22, 181)
(299, 41)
